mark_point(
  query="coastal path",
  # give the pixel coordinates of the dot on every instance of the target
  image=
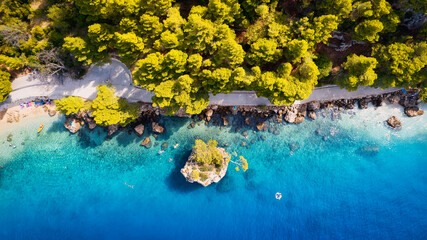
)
(31, 86)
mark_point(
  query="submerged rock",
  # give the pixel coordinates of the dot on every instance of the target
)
(165, 145)
(247, 121)
(294, 146)
(9, 137)
(260, 126)
(157, 128)
(394, 122)
(204, 174)
(191, 125)
(146, 143)
(72, 124)
(413, 111)
(370, 150)
(139, 129)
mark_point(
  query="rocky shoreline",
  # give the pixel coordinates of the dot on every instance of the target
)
(255, 116)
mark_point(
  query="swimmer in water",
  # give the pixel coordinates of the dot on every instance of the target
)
(176, 145)
(160, 152)
(170, 159)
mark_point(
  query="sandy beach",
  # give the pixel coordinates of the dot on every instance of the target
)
(9, 117)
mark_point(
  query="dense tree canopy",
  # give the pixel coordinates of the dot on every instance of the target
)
(5, 85)
(207, 153)
(184, 50)
(70, 105)
(108, 109)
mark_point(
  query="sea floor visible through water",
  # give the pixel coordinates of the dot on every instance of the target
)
(335, 185)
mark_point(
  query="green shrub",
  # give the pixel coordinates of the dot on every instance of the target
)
(5, 85)
(70, 105)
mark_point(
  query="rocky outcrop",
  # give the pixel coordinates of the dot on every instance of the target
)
(157, 128)
(72, 124)
(205, 175)
(313, 106)
(413, 111)
(139, 129)
(363, 103)
(113, 129)
(394, 122)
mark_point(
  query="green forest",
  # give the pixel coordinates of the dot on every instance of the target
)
(184, 50)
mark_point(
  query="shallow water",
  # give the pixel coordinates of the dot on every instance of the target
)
(62, 186)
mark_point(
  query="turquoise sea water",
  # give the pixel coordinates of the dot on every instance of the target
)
(56, 185)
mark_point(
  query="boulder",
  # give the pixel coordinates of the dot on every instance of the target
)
(112, 129)
(279, 118)
(139, 129)
(91, 123)
(299, 120)
(191, 125)
(209, 113)
(202, 174)
(72, 124)
(51, 112)
(260, 126)
(146, 143)
(157, 128)
(413, 111)
(290, 116)
(394, 122)
(312, 115)
(224, 120)
(313, 106)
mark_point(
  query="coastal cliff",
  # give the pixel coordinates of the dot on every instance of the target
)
(208, 172)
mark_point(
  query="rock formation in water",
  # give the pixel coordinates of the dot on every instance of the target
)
(394, 122)
(72, 124)
(413, 111)
(205, 174)
(157, 128)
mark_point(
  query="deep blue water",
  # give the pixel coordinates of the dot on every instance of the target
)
(63, 186)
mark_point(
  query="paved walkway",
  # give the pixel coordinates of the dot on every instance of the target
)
(30, 86)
